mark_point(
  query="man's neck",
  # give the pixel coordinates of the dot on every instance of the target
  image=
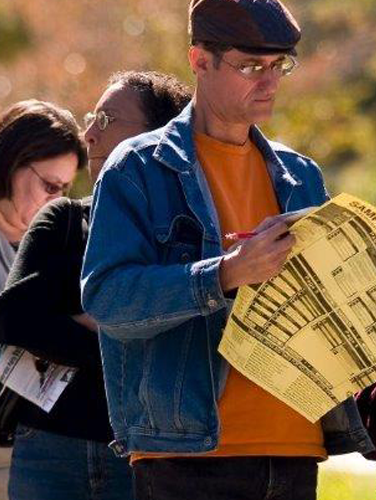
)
(207, 122)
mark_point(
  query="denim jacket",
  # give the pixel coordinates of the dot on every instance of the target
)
(150, 279)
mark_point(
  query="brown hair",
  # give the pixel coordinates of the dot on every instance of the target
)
(162, 96)
(217, 49)
(32, 131)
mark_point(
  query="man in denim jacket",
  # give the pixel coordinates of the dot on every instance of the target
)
(158, 273)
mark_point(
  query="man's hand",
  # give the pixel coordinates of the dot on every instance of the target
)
(86, 320)
(259, 258)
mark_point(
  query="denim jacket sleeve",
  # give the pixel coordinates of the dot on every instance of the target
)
(124, 287)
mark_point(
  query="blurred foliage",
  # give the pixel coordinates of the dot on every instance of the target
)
(65, 51)
(14, 34)
(328, 109)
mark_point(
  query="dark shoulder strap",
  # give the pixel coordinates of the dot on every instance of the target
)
(76, 230)
(86, 208)
(69, 224)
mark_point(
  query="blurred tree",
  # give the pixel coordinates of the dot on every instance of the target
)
(328, 108)
(14, 33)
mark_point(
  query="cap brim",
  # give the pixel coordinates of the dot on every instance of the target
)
(266, 51)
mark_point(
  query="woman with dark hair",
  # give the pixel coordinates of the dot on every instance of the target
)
(64, 454)
(40, 151)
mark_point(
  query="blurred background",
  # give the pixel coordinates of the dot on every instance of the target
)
(65, 50)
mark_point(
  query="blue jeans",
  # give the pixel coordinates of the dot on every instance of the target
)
(48, 466)
(233, 478)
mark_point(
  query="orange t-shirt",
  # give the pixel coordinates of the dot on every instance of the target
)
(253, 422)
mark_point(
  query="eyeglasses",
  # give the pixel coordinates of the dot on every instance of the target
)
(284, 66)
(102, 120)
(52, 188)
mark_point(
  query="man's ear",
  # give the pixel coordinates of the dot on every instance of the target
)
(199, 60)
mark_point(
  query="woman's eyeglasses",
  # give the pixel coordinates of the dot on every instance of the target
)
(52, 188)
(102, 120)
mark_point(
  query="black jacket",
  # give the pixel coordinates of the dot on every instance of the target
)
(41, 294)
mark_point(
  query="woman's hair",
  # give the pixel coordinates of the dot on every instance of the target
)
(162, 96)
(32, 131)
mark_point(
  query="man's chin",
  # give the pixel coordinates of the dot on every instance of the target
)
(95, 165)
(261, 109)
(260, 117)
(262, 112)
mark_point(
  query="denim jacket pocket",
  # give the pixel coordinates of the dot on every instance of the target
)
(181, 241)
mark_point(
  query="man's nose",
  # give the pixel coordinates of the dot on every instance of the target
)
(91, 134)
(269, 79)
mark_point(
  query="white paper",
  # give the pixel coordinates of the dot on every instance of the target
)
(18, 372)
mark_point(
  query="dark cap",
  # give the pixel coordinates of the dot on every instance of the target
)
(259, 26)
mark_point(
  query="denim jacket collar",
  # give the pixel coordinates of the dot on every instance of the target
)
(176, 148)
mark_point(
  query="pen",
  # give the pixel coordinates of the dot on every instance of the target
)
(240, 236)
